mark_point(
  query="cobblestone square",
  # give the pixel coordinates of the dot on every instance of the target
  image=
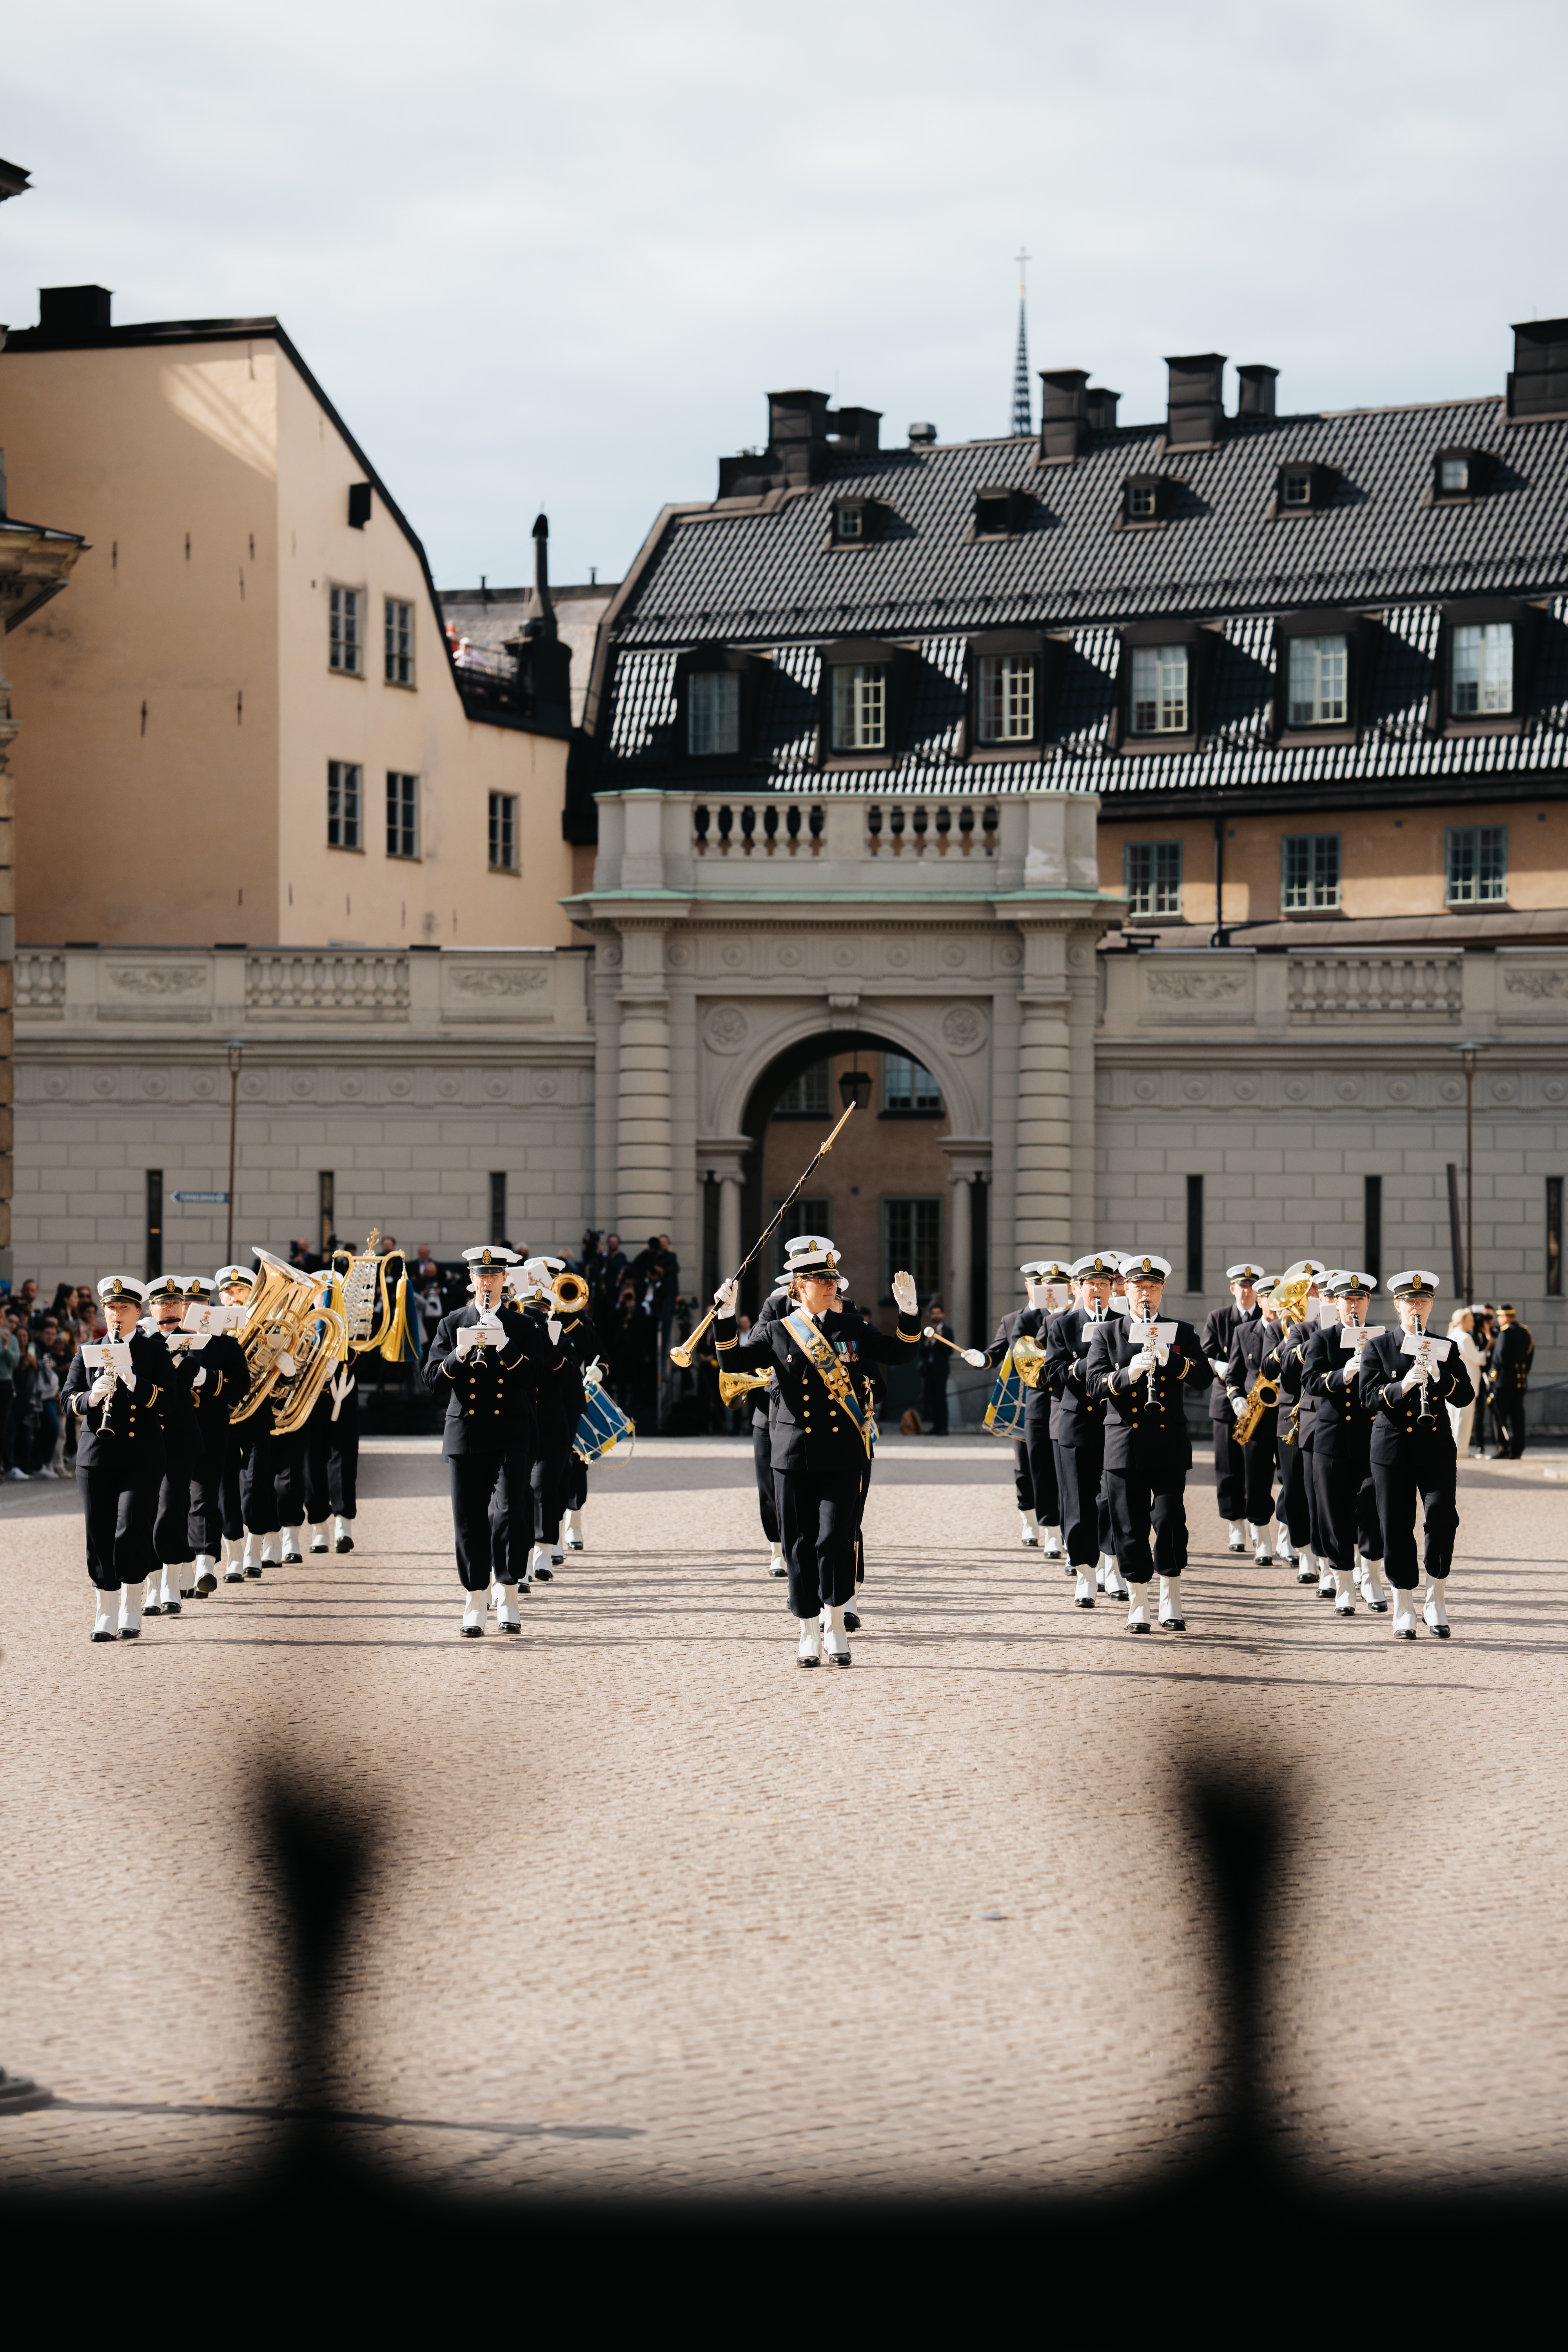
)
(652, 1907)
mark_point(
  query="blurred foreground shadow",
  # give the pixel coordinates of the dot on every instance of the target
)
(1231, 2236)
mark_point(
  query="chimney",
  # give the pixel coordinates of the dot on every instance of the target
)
(922, 436)
(1256, 396)
(1102, 408)
(543, 622)
(1197, 408)
(797, 434)
(858, 430)
(74, 314)
(1064, 415)
(1538, 380)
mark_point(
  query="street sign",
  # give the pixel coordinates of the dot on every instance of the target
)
(218, 1197)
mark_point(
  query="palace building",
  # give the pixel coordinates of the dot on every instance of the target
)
(1159, 829)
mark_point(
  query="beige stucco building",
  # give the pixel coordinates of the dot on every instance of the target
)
(246, 724)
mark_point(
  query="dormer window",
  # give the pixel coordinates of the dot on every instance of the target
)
(712, 714)
(1459, 474)
(1481, 670)
(1147, 499)
(1296, 489)
(862, 701)
(856, 521)
(1318, 694)
(1303, 487)
(1321, 661)
(999, 512)
(860, 707)
(1159, 689)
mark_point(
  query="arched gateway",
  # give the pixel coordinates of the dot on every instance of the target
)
(727, 965)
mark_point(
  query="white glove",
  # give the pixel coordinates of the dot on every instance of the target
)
(1161, 1352)
(1219, 1366)
(1234, 1404)
(593, 1371)
(1143, 1362)
(904, 1293)
(724, 1298)
(972, 1355)
(200, 1377)
(1353, 1370)
(1415, 1377)
(101, 1388)
(467, 1338)
(553, 1330)
(287, 1365)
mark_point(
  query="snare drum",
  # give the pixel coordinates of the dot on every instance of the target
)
(602, 1427)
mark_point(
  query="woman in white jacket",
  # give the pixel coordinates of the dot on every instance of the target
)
(1461, 1327)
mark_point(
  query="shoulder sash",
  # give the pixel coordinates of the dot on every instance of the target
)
(820, 1354)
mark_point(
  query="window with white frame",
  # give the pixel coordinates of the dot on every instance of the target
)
(1153, 872)
(401, 815)
(503, 832)
(1309, 873)
(713, 714)
(1296, 489)
(345, 631)
(860, 707)
(399, 643)
(1477, 865)
(805, 1094)
(344, 779)
(1006, 698)
(1160, 700)
(1454, 474)
(1317, 688)
(908, 1084)
(1143, 501)
(1481, 670)
(850, 524)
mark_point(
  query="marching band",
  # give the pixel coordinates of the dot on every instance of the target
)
(220, 1417)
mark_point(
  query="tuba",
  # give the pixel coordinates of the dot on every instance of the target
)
(292, 1343)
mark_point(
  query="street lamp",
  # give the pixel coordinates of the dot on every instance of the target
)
(235, 1055)
(1469, 1054)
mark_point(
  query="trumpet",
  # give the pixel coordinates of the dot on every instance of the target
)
(685, 1350)
(569, 1293)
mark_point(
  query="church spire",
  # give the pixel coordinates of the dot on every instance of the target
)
(1023, 412)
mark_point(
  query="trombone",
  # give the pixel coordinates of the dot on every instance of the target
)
(683, 1352)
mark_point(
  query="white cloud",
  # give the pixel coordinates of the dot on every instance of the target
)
(553, 256)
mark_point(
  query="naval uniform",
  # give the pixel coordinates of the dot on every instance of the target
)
(1509, 1361)
(172, 1543)
(1253, 1348)
(1078, 1435)
(1414, 1456)
(1342, 1452)
(1047, 1506)
(491, 1428)
(1147, 1450)
(1229, 1458)
(258, 1474)
(120, 1463)
(214, 1439)
(818, 1453)
(331, 1449)
(1294, 1437)
(559, 1405)
(1034, 1323)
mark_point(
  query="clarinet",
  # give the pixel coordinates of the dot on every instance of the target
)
(1424, 1357)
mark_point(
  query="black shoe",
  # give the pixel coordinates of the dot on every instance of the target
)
(153, 1608)
(851, 1621)
(542, 1576)
(343, 1543)
(253, 1571)
(172, 1610)
(103, 1637)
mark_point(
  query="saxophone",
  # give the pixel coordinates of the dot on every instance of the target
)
(1263, 1394)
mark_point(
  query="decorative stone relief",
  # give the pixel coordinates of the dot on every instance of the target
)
(351, 1085)
(726, 1028)
(253, 1084)
(1196, 1089)
(1503, 1090)
(520, 979)
(449, 1087)
(105, 1083)
(203, 1086)
(157, 979)
(844, 957)
(1555, 1089)
(1348, 1090)
(955, 957)
(1535, 984)
(57, 1084)
(789, 955)
(1078, 957)
(497, 1089)
(154, 1084)
(1298, 1089)
(897, 955)
(400, 1085)
(1009, 955)
(1245, 1089)
(1399, 1090)
(611, 956)
(963, 1028)
(1452, 1090)
(1197, 987)
(679, 957)
(301, 1085)
(545, 1089)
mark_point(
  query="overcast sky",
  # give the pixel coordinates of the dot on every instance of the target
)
(557, 255)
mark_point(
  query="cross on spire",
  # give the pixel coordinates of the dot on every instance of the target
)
(1023, 409)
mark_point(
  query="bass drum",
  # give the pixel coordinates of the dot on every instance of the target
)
(603, 1426)
(1004, 1413)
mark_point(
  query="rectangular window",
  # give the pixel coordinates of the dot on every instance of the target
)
(805, 1094)
(1319, 667)
(1296, 489)
(713, 714)
(1007, 699)
(1478, 864)
(1554, 1237)
(849, 523)
(399, 644)
(326, 1209)
(345, 651)
(911, 1241)
(1153, 872)
(907, 1086)
(497, 1208)
(1371, 1223)
(1142, 502)
(1482, 663)
(1454, 474)
(805, 1217)
(1195, 1234)
(503, 832)
(1309, 873)
(401, 815)
(154, 1257)
(342, 804)
(1159, 689)
(860, 707)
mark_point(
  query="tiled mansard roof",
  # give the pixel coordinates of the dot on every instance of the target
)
(761, 576)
